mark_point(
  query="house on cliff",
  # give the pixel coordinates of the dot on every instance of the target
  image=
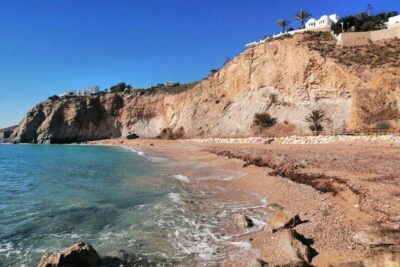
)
(88, 91)
(393, 22)
(324, 22)
(69, 93)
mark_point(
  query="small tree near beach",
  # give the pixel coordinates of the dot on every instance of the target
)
(283, 24)
(302, 16)
(315, 119)
(263, 120)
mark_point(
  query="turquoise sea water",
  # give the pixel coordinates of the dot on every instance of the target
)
(52, 196)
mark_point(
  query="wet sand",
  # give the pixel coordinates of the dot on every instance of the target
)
(363, 194)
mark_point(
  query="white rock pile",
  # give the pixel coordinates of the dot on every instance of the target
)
(245, 140)
(294, 139)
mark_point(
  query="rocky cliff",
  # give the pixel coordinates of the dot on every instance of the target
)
(287, 78)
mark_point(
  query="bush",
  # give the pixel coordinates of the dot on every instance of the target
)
(54, 98)
(383, 126)
(162, 89)
(264, 120)
(273, 98)
(362, 22)
(213, 71)
(168, 133)
(119, 88)
(132, 136)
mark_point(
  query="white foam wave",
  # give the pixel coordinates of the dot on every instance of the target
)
(136, 151)
(181, 178)
(175, 197)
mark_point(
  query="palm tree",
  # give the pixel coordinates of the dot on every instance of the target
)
(315, 118)
(283, 24)
(302, 16)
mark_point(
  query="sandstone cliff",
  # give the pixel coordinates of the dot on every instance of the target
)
(286, 78)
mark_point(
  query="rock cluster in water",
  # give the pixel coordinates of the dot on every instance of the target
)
(77, 255)
(84, 255)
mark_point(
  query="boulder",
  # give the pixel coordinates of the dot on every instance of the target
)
(77, 255)
(284, 219)
(132, 136)
(257, 263)
(243, 221)
(373, 238)
(118, 258)
(286, 247)
(122, 258)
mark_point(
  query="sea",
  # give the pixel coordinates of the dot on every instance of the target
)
(123, 202)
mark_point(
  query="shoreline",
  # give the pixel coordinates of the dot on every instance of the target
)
(201, 194)
(333, 219)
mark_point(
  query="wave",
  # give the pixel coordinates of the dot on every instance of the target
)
(181, 178)
(136, 151)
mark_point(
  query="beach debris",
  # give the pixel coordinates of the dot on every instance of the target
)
(284, 219)
(79, 254)
(243, 221)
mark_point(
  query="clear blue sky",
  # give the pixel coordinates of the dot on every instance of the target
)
(47, 46)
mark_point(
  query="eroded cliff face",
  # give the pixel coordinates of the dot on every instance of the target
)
(71, 120)
(284, 78)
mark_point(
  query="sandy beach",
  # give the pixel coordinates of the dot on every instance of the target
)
(350, 204)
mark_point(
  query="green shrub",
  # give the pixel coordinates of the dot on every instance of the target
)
(170, 134)
(383, 126)
(118, 88)
(264, 120)
(273, 98)
(54, 98)
(362, 22)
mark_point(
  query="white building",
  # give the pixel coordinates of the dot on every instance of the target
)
(69, 93)
(88, 91)
(169, 83)
(251, 44)
(323, 22)
(393, 21)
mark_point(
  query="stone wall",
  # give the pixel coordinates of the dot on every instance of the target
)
(364, 38)
(354, 38)
(385, 34)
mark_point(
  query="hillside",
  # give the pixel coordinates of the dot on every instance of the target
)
(357, 89)
(6, 132)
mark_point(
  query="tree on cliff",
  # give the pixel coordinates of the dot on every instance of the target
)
(119, 88)
(315, 119)
(362, 22)
(283, 24)
(302, 16)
